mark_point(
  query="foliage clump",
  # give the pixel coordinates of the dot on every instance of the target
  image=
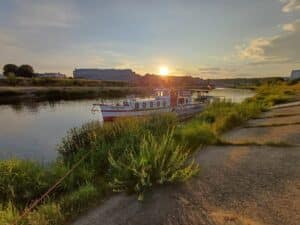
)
(158, 161)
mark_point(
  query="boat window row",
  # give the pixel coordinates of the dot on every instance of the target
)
(143, 105)
(182, 101)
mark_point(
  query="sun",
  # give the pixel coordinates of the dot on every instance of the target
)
(163, 71)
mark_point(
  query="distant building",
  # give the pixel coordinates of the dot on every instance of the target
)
(295, 74)
(105, 74)
(51, 75)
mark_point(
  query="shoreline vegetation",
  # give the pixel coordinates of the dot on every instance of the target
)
(131, 155)
(17, 90)
(12, 95)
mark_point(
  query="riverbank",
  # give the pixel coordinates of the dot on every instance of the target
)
(126, 156)
(58, 82)
(252, 180)
(11, 95)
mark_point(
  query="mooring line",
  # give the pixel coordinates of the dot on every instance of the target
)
(36, 202)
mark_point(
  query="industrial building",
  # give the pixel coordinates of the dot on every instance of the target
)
(295, 74)
(105, 74)
(51, 75)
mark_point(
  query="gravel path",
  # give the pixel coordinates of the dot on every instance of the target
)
(237, 185)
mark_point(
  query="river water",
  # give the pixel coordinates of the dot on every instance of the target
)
(33, 130)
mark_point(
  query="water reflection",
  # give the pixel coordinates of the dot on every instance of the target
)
(231, 94)
(32, 130)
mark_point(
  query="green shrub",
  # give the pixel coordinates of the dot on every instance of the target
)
(158, 161)
(21, 181)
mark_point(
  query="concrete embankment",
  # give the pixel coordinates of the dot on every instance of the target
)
(239, 184)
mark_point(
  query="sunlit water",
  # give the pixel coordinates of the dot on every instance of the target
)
(234, 95)
(33, 131)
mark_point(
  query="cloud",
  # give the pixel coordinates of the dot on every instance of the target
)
(283, 48)
(291, 5)
(57, 14)
(210, 69)
(217, 72)
(289, 27)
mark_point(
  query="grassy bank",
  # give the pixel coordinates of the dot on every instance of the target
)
(131, 155)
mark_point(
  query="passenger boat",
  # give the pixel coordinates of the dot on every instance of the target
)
(163, 100)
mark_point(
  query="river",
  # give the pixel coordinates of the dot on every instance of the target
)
(33, 130)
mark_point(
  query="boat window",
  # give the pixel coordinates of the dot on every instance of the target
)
(164, 103)
(136, 105)
(158, 104)
(144, 105)
(186, 101)
(151, 104)
(181, 101)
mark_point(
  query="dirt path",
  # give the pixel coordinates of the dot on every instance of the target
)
(238, 185)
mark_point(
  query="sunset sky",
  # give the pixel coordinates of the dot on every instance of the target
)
(207, 38)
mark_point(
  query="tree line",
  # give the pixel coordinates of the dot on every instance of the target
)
(18, 71)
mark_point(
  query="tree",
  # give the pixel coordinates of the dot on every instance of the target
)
(25, 71)
(9, 69)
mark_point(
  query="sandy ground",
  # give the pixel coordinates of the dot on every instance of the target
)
(237, 185)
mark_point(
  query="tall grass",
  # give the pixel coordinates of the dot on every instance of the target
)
(217, 118)
(158, 161)
(272, 94)
(113, 136)
(21, 181)
(47, 214)
(131, 145)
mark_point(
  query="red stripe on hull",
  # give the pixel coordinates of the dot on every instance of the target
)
(109, 118)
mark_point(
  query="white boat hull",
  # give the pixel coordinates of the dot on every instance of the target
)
(109, 115)
(112, 114)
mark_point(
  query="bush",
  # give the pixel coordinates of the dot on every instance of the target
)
(10, 69)
(158, 161)
(25, 71)
(21, 181)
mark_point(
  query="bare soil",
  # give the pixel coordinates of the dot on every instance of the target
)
(237, 185)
